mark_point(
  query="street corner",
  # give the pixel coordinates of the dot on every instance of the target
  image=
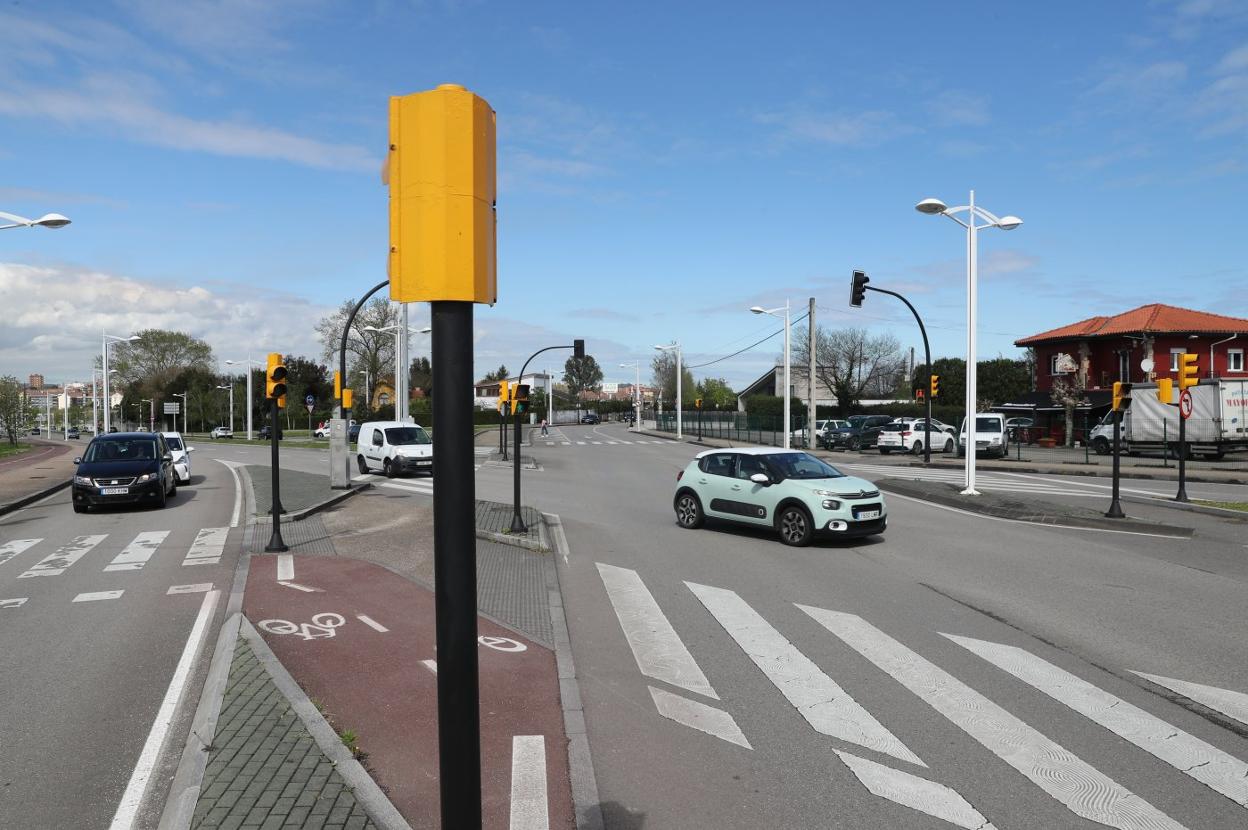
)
(360, 640)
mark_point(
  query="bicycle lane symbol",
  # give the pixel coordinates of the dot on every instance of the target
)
(322, 625)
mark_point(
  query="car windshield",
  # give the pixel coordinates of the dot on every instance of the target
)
(855, 420)
(175, 444)
(802, 466)
(893, 428)
(398, 436)
(124, 449)
(985, 424)
(838, 424)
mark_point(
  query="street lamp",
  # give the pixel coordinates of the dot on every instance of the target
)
(935, 207)
(107, 339)
(48, 220)
(401, 395)
(186, 405)
(675, 347)
(248, 363)
(231, 388)
(636, 364)
(95, 400)
(151, 413)
(774, 312)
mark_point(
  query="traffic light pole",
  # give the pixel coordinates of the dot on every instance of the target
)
(275, 545)
(1182, 494)
(345, 412)
(517, 521)
(455, 568)
(1115, 506)
(927, 355)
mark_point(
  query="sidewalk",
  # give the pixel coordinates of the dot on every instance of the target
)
(349, 613)
(30, 476)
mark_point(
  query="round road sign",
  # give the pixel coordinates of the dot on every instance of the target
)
(310, 400)
(1185, 404)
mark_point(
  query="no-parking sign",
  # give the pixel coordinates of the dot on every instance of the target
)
(1185, 404)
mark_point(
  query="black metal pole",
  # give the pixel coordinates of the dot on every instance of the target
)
(1115, 506)
(517, 521)
(1182, 494)
(345, 412)
(275, 545)
(927, 355)
(455, 568)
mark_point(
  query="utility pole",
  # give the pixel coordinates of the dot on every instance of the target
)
(812, 340)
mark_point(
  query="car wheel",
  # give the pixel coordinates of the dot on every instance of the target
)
(80, 508)
(854, 444)
(387, 468)
(163, 500)
(359, 459)
(795, 526)
(917, 449)
(689, 511)
(1101, 446)
(949, 445)
(173, 486)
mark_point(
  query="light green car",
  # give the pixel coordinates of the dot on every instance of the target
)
(793, 492)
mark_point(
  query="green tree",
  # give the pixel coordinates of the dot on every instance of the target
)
(153, 362)
(583, 375)
(664, 368)
(16, 411)
(498, 374)
(421, 376)
(1001, 380)
(716, 394)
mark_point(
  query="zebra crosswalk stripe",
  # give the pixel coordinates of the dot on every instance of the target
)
(208, 546)
(64, 557)
(698, 715)
(136, 554)
(818, 698)
(1082, 788)
(1232, 704)
(10, 549)
(914, 792)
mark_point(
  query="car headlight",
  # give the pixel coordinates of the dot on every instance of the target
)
(996, 439)
(145, 477)
(831, 504)
(84, 480)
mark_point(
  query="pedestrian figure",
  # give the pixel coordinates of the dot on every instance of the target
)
(544, 430)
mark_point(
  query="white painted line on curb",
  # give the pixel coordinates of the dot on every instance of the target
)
(10, 549)
(285, 567)
(431, 665)
(1181, 750)
(698, 715)
(371, 623)
(657, 648)
(132, 799)
(135, 555)
(528, 783)
(96, 596)
(914, 792)
(63, 557)
(198, 588)
(1083, 789)
(306, 589)
(828, 708)
(16, 602)
(238, 492)
(1232, 704)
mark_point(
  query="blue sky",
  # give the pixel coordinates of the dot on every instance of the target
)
(663, 166)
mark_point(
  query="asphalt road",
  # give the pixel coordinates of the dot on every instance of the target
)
(90, 640)
(771, 687)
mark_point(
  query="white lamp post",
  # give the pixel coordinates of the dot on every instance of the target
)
(401, 395)
(636, 364)
(247, 374)
(110, 338)
(675, 347)
(48, 220)
(788, 388)
(935, 207)
(185, 407)
(231, 388)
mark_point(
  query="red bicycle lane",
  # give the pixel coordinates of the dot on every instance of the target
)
(361, 644)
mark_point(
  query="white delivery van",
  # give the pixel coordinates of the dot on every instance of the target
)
(1218, 425)
(394, 448)
(991, 436)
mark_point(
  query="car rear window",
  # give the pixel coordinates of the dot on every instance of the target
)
(893, 428)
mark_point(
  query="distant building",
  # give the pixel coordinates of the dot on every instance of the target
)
(485, 392)
(36, 382)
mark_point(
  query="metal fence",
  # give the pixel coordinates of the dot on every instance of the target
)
(735, 426)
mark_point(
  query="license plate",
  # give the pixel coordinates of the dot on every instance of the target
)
(423, 463)
(869, 514)
(114, 491)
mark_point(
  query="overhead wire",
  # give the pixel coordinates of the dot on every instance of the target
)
(747, 348)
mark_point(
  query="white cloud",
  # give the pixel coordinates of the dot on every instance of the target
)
(1234, 61)
(1143, 83)
(840, 128)
(958, 108)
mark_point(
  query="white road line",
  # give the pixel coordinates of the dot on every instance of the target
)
(285, 567)
(580, 443)
(1232, 704)
(697, 715)
(1083, 789)
(566, 443)
(596, 443)
(298, 587)
(914, 792)
(132, 799)
(65, 556)
(238, 492)
(10, 549)
(96, 596)
(658, 649)
(16, 602)
(1186, 753)
(431, 665)
(528, 783)
(371, 623)
(136, 554)
(198, 588)
(208, 546)
(828, 708)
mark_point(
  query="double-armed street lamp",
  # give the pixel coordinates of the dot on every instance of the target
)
(48, 220)
(231, 388)
(674, 346)
(402, 395)
(935, 207)
(108, 339)
(775, 312)
(185, 396)
(247, 374)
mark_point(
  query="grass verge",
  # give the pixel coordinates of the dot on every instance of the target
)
(1241, 506)
(9, 450)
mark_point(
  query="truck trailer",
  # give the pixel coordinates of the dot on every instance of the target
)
(1217, 424)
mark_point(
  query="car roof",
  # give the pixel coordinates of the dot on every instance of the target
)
(388, 424)
(117, 436)
(172, 434)
(750, 451)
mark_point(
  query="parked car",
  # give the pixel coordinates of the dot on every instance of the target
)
(266, 431)
(124, 468)
(863, 432)
(34, 431)
(1019, 428)
(353, 432)
(181, 456)
(394, 448)
(323, 431)
(220, 432)
(590, 418)
(72, 432)
(798, 436)
(793, 492)
(991, 437)
(906, 435)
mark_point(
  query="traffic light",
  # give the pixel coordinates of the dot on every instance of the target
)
(1188, 369)
(935, 386)
(275, 379)
(578, 349)
(697, 403)
(337, 384)
(858, 288)
(520, 401)
(1122, 395)
(1165, 390)
(346, 398)
(918, 394)
(504, 395)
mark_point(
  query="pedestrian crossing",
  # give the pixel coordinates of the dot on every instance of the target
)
(598, 442)
(985, 481)
(889, 768)
(421, 486)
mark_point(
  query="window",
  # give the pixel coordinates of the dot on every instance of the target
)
(377, 438)
(1124, 366)
(749, 465)
(1174, 358)
(1235, 360)
(719, 464)
(1053, 365)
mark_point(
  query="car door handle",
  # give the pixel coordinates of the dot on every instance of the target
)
(736, 486)
(701, 481)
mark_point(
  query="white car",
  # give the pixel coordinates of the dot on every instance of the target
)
(394, 448)
(220, 432)
(906, 435)
(323, 431)
(991, 435)
(181, 456)
(799, 435)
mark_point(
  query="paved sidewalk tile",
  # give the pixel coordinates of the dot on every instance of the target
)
(513, 587)
(495, 517)
(264, 769)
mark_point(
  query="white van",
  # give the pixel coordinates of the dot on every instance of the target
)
(394, 448)
(991, 436)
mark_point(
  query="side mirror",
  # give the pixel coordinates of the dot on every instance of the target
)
(760, 478)
(190, 449)
(78, 460)
(166, 458)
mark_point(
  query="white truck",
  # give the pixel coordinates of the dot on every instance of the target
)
(1218, 425)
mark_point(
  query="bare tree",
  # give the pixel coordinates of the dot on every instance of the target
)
(369, 353)
(851, 362)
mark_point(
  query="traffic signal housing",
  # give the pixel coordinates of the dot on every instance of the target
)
(337, 385)
(697, 403)
(918, 394)
(1122, 395)
(346, 398)
(1189, 370)
(275, 379)
(858, 288)
(934, 390)
(1165, 390)
(504, 395)
(520, 400)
